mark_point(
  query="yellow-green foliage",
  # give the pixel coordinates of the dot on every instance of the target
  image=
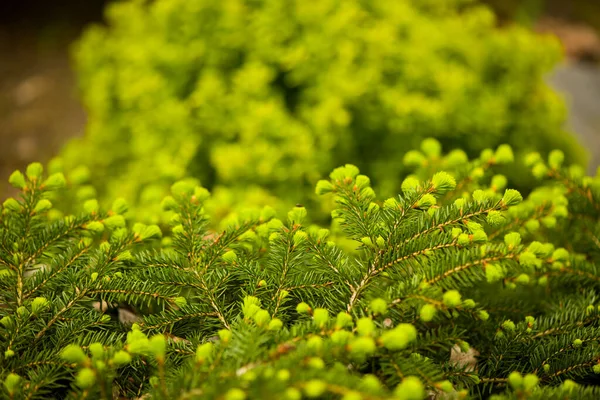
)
(275, 93)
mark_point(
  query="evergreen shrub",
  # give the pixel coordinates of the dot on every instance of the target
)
(264, 97)
(456, 288)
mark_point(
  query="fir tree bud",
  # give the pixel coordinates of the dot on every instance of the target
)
(413, 158)
(530, 381)
(275, 224)
(297, 215)
(443, 182)
(511, 197)
(480, 196)
(431, 147)
(456, 157)
(498, 182)
(468, 303)
(315, 343)
(532, 158)
(204, 352)
(577, 343)
(568, 385)
(34, 171)
(73, 354)
(380, 242)
(224, 335)
(504, 154)
(105, 318)
(86, 192)
(324, 187)
(370, 383)
(235, 394)
(275, 324)
(352, 396)
(114, 222)
(343, 320)
(362, 346)
(555, 159)
(409, 184)
(340, 337)
(283, 375)
(515, 380)
(320, 317)
(495, 218)
(7, 322)
(55, 181)
(85, 378)
(596, 369)
(483, 315)
(17, 180)
(539, 170)
(445, 386)
(261, 317)
(512, 240)
(11, 383)
(229, 256)
(303, 308)
(300, 237)
(427, 312)
(200, 194)
(22, 312)
(391, 204)
(560, 254)
(365, 326)
(486, 155)
(367, 241)
(11, 204)
(523, 279)
(42, 206)
(426, 201)
(411, 388)
(508, 326)
(158, 346)
(267, 213)
(399, 337)
(368, 194)
(144, 232)
(120, 206)
(529, 260)
(124, 256)
(315, 363)
(80, 175)
(452, 298)
(463, 239)
(97, 350)
(9, 353)
(94, 227)
(362, 181)
(169, 204)
(39, 304)
(546, 368)
(94, 276)
(549, 221)
(292, 394)
(477, 173)
(182, 189)
(314, 388)
(378, 306)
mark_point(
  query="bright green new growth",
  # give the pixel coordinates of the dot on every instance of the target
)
(260, 99)
(267, 308)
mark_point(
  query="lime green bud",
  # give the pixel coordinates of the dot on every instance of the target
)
(504, 154)
(114, 222)
(413, 158)
(399, 337)
(443, 182)
(11, 383)
(511, 197)
(39, 304)
(80, 175)
(508, 325)
(370, 383)
(532, 158)
(201, 194)
(97, 350)
(409, 184)
(523, 279)
(85, 378)
(530, 381)
(95, 227)
(596, 369)
(94, 276)
(539, 170)
(515, 379)
(468, 303)
(546, 368)
(577, 343)
(300, 237)
(340, 337)
(352, 396)
(204, 352)
(124, 256)
(324, 187)
(17, 180)
(480, 196)
(73, 354)
(235, 394)
(169, 203)
(105, 318)
(427, 312)
(275, 324)
(183, 189)
(486, 155)
(452, 298)
(315, 363)
(445, 386)
(11, 204)
(303, 308)
(391, 204)
(315, 388)
(549, 221)
(320, 317)
(283, 375)
(362, 346)
(158, 346)
(463, 239)
(7, 322)
(512, 240)
(483, 315)
(431, 147)
(556, 158)
(292, 394)
(560, 254)
(367, 241)
(297, 215)
(229, 256)
(34, 170)
(224, 335)
(365, 326)
(42, 206)
(378, 306)
(411, 388)
(427, 200)
(495, 218)
(380, 242)
(9, 353)
(498, 182)
(456, 157)
(261, 317)
(315, 343)
(477, 173)
(343, 320)
(55, 181)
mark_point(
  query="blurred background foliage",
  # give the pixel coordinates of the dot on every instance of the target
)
(259, 99)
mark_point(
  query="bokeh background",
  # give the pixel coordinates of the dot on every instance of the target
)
(40, 108)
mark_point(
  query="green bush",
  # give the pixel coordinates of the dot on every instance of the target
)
(455, 288)
(268, 95)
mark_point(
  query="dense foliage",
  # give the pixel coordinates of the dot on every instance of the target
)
(457, 287)
(264, 97)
